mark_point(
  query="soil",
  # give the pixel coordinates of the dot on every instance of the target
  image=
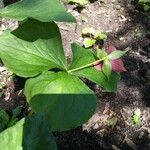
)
(128, 28)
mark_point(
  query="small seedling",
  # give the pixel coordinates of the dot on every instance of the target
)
(145, 4)
(92, 37)
(111, 122)
(136, 117)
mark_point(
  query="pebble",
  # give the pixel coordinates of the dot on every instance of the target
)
(141, 134)
(118, 7)
(96, 126)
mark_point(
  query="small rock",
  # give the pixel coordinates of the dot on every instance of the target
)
(141, 134)
(118, 128)
(118, 7)
(96, 126)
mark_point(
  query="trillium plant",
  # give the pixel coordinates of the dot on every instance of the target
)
(109, 60)
(54, 90)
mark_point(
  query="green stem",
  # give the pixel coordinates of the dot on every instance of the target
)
(88, 65)
(31, 112)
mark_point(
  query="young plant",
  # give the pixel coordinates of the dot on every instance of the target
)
(91, 37)
(136, 117)
(145, 4)
(54, 89)
(111, 122)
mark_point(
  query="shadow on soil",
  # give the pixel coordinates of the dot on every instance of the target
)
(136, 61)
(81, 140)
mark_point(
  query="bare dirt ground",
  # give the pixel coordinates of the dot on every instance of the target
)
(127, 28)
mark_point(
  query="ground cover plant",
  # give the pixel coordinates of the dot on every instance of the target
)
(92, 37)
(58, 97)
(145, 4)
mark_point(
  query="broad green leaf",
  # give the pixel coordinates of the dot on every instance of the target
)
(31, 133)
(107, 68)
(42, 10)
(65, 99)
(145, 4)
(80, 2)
(32, 48)
(116, 54)
(98, 77)
(88, 42)
(82, 57)
(4, 119)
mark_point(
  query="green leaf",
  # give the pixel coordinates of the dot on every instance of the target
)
(100, 36)
(136, 117)
(12, 122)
(146, 7)
(31, 133)
(82, 57)
(101, 53)
(107, 68)
(1, 85)
(98, 77)
(112, 122)
(42, 10)
(116, 54)
(65, 99)
(80, 2)
(16, 111)
(88, 42)
(145, 4)
(33, 48)
(4, 119)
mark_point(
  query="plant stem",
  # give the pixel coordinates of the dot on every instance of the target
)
(88, 65)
